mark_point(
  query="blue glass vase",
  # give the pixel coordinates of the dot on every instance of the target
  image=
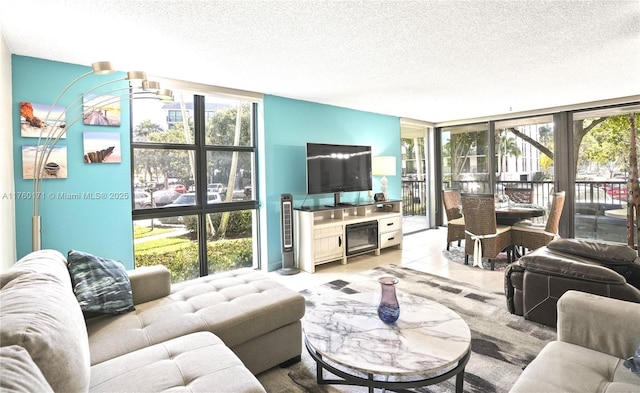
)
(388, 309)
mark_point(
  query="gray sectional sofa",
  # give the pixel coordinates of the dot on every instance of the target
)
(211, 334)
(596, 334)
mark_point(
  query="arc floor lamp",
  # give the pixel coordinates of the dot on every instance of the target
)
(52, 130)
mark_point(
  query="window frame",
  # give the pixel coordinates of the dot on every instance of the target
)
(200, 150)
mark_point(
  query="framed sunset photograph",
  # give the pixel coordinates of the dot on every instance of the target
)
(101, 110)
(34, 120)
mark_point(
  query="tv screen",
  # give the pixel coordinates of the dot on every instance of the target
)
(338, 168)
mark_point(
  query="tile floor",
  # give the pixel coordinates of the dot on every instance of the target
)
(420, 251)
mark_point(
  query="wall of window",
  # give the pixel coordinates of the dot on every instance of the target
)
(583, 152)
(193, 175)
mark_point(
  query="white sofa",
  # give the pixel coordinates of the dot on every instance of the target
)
(595, 335)
(209, 334)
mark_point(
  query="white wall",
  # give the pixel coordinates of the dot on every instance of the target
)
(7, 205)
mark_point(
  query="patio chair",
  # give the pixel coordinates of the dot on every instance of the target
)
(455, 219)
(519, 195)
(532, 236)
(483, 237)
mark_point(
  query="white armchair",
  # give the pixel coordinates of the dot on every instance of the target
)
(595, 335)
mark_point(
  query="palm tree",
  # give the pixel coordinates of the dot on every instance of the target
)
(506, 146)
(143, 130)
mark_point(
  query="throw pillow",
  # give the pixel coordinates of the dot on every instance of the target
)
(101, 284)
(633, 363)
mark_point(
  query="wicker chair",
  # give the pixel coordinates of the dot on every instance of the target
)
(455, 219)
(532, 236)
(482, 230)
(519, 195)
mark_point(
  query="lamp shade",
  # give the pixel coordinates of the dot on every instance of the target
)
(383, 166)
(102, 68)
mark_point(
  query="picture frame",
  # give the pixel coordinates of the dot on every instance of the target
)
(34, 121)
(101, 147)
(101, 110)
(55, 167)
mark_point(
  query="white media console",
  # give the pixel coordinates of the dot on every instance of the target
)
(326, 234)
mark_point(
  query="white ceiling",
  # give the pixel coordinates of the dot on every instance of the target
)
(425, 60)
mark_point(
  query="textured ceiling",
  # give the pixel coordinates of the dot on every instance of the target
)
(426, 60)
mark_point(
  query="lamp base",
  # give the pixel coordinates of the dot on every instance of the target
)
(383, 187)
(288, 271)
(36, 234)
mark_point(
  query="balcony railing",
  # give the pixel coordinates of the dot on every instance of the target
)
(592, 199)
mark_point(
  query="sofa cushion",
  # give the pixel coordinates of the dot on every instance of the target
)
(101, 284)
(237, 306)
(588, 371)
(19, 372)
(198, 362)
(41, 314)
(610, 254)
(548, 262)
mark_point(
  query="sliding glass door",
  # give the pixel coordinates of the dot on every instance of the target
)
(416, 184)
(601, 140)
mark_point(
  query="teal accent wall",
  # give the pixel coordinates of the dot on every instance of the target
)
(289, 125)
(90, 210)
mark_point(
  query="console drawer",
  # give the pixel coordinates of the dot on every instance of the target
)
(389, 224)
(389, 239)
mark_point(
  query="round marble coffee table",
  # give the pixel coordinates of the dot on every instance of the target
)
(427, 345)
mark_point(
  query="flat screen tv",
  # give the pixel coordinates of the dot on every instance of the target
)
(338, 168)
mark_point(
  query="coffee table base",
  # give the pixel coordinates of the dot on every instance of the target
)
(371, 383)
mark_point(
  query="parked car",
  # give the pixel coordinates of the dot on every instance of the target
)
(617, 190)
(142, 200)
(165, 197)
(179, 188)
(216, 187)
(189, 198)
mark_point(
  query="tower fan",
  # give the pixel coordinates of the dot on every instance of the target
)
(286, 228)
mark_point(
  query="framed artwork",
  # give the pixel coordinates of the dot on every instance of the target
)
(101, 147)
(101, 110)
(55, 167)
(33, 122)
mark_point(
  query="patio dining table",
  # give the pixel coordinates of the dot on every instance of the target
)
(514, 212)
(617, 213)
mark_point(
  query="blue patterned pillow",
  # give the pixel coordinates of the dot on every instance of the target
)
(633, 363)
(101, 285)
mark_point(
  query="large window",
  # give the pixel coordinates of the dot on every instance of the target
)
(465, 150)
(524, 156)
(193, 170)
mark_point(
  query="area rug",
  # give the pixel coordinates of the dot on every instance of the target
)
(502, 344)
(456, 254)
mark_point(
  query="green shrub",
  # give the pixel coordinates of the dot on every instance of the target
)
(238, 225)
(222, 255)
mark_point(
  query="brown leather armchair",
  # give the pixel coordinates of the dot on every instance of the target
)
(535, 282)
